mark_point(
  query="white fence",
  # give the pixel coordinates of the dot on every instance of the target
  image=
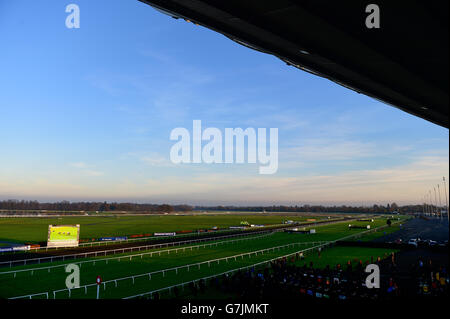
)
(324, 245)
(217, 275)
(188, 267)
(24, 262)
(130, 257)
(39, 260)
(105, 243)
(209, 262)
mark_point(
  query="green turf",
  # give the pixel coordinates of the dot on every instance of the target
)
(381, 233)
(26, 283)
(341, 255)
(163, 250)
(35, 229)
(42, 280)
(331, 257)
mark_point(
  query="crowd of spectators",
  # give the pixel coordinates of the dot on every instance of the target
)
(430, 278)
(284, 279)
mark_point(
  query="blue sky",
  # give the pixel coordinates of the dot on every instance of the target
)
(86, 114)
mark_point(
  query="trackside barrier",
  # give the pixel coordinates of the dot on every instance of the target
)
(207, 262)
(115, 242)
(163, 271)
(31, 296)
(138, 255)
(253, 265)
(220, 274)
(272, 227)
(178, 235)
(145, 247)
(216, 243)
(149, 238)
(20, 262)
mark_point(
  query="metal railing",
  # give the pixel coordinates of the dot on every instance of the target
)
(176, 269)
(256, 264)
(194, 233)
(164, 271)
(39, 260)
(221, 274)
(215, 243)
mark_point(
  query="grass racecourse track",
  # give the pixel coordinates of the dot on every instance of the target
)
(35, 229)
(341, 255)
(42, 279)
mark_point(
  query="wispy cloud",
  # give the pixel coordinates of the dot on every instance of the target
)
(86, 169)
(400, 183)
(78, 165)
(157, 161)
(329, 149)
(93, 173)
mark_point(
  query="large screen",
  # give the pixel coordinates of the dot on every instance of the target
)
(63, 235)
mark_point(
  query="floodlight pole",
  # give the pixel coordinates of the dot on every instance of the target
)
(431, 202)
(446, 200)
(439, 192)
(425, 204)
(435, 200)
(440, 203)
(423, 207)
(430, 208)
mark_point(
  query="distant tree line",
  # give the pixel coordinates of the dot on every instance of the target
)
(22, 205)
(66, 206)
(389, 208)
